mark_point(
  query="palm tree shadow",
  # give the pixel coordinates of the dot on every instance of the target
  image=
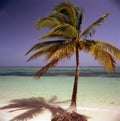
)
(33, 106)
(36, 105)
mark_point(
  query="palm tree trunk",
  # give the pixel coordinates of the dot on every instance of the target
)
(75, 87)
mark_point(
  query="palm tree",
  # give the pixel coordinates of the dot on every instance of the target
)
(64, 23)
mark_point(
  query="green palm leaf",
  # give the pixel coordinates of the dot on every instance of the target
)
(91, 28)
(114, 51)
(62, 51)
(68, 10)
(46, 67)
(61, 30)
(99, 53)
(45, 44)
(79, 15)
(43, 47)
(46, 22)
(103, 57)
(58, 17)
(55, 54)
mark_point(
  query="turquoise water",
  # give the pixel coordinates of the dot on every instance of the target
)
(96, 86)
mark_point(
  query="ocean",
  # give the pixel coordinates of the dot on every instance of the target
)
(97, 88)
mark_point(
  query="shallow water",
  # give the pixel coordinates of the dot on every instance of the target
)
(96, 86)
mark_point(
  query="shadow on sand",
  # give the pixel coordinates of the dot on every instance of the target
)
(36, 105)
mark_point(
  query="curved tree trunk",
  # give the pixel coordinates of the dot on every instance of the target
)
(75, 87)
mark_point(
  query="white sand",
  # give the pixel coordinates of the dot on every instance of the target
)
(5, 116)
(101, 114)
(94, 114)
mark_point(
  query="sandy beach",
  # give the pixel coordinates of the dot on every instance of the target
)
(94, 114)
(98, 96)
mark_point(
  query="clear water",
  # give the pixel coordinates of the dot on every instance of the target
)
(96, 86)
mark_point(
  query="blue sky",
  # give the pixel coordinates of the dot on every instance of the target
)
(17, 32)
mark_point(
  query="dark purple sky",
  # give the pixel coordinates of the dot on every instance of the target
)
(17, 32)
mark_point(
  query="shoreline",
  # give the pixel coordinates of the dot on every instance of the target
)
(94, 114)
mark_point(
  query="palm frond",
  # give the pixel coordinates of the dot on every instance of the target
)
(46, 22)
(104, 57)
(44, 44)
(79, 19)
(56, 53)
(68, 9)
(62, 51)
(50, 35)
(44, 48)
(46, 67)
(38, 53)
(91, 28)
(58, 17)
(61, 30)
(114, 51)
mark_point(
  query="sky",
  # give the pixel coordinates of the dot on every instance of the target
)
(18, 33)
